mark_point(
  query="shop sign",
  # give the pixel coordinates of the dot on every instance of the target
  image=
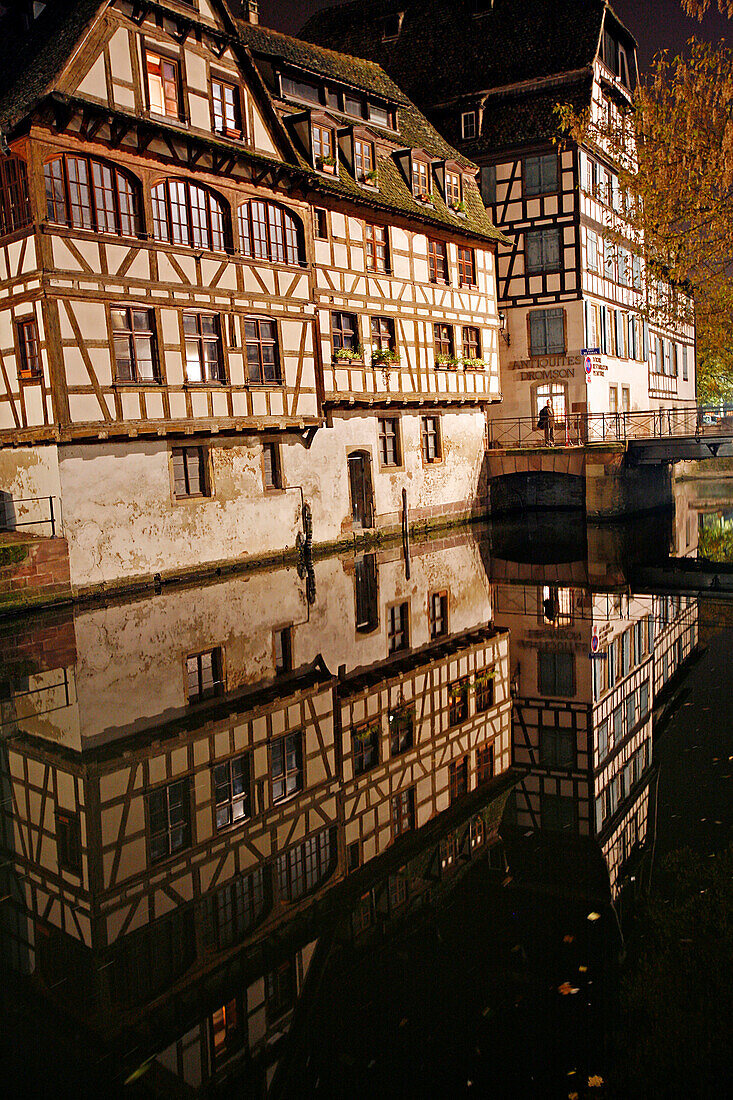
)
(546, 368)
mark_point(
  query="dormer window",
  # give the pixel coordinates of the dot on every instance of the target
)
(391, 26)
(380, 114)
(226, 107)
(420, 178)
(322, 138)
(301, 89)
(163, 85)
(469, 125)
(453, 196)
(353, 106)
(363, 159)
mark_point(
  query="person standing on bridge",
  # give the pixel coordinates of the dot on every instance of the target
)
(546, 420)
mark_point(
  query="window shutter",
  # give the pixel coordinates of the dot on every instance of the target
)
(534, 251)
(552, 247)
(488, 184)
(532, 175)
(194, 470)
(537, 340)
(179, 473)
(555, 331)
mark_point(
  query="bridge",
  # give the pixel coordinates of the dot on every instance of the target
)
(651, 436)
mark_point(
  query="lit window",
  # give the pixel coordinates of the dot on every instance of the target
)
(458, 701)
(163, 85)
(227, 108)
(184, 213)
(270, 232)
(286, 761)
(204, 355)
(231, 791)
(89, 194)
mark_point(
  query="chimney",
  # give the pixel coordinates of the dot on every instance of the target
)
(250, 11)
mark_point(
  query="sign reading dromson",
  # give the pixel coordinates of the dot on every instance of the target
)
(547, 367)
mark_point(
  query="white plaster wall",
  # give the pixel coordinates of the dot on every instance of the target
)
(29, 472)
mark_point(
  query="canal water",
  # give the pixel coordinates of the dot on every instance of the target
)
(386, 824)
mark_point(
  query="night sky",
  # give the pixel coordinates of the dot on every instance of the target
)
(656, 24)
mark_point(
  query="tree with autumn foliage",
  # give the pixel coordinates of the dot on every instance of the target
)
(678, 182)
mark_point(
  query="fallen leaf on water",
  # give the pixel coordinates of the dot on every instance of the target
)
(595, 1082)
(572, 1096)
(568, 939)
(403, 1021)
(566, 989)
(594, 916)
(583, 969)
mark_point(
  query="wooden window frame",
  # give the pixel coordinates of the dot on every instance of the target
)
(186, 825)
(201, 340)
(459, 778)
(280, 239)
(228, 84)
(206, 489)
(473, 115)
(388, 428)
(30, 363)
(232, 797)
(60, 208)
(261, 342)
(458, 701)
(471, 342)
(365, 750)
(281, 746)
(320, 223)
(398, 730)
(442, 616)
(419, 170)
(131, 334)
(437, 258)
(337, 331)
(15, 202)
(218, 684)
(382, 333)
(366, 593)
(542, 188)
(402, 812)
(484, 763)
(426, 435)
(318, 130)
(282, 650)
(443, 346)
(484, 690)
(397, 629)
(364, 158)
(150, 50)
(68, 841)
(191, 228)
(373, 248)
(467, 275)
(272, 477)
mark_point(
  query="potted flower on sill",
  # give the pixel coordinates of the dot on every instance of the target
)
(384, 357)
(473, 364)
(328, 165)
(371, 178)
(347, 355)
(443, 360)
(459, 207)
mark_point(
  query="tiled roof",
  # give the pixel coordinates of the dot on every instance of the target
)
(30, 63)
(443, 51)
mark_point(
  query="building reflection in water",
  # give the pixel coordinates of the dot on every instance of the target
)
(210, 790)
(198, 785)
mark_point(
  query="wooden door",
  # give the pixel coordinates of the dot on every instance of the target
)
(360, 484)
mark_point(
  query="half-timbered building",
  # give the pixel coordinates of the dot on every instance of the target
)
(189, 783)
(490, 76)
(239, 272)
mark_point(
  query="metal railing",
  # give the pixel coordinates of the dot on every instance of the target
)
(581, 429)
(49, 523)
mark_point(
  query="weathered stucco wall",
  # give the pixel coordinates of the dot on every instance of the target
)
(122, 519)
(28, 476)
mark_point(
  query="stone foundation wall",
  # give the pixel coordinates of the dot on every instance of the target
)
(32, 570)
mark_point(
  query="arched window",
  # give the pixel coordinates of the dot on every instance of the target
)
(184, 213)
(89, 194)
(270, 232)
(15, 207)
